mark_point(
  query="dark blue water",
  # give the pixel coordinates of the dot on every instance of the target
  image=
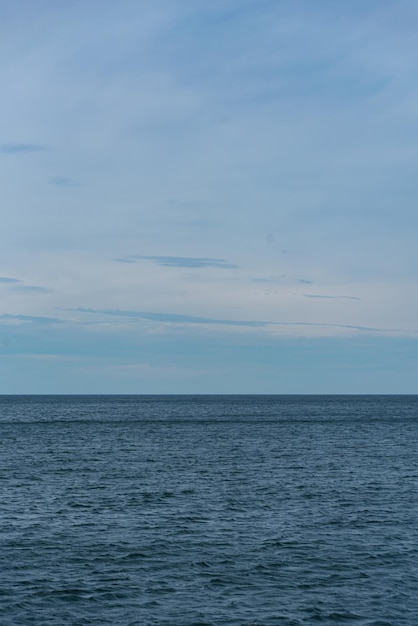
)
(222, 510)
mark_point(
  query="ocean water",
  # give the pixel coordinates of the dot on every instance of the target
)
(209, 510)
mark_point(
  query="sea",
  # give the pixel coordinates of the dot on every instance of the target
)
(208, 510)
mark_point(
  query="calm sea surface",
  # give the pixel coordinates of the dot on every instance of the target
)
(208, 510)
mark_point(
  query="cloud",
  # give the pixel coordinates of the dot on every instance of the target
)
(179, 261)
(269, 280)
(63, 181)
(176, 318)
(30, 289)
(124, 260)
(31, 319)
(21, 148)
(314, 295)
(15, 285)
(8, 281)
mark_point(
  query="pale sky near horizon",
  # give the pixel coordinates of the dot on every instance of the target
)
(206, 196)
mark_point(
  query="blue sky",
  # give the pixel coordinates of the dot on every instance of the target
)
(206, 196)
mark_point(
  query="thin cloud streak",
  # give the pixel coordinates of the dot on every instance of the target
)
(30, 289)
(6, 280)
(21, 148)
(179, 261)
(14, 285)
(324, 297)
(34, 319)
(62, 181)
(177, 318)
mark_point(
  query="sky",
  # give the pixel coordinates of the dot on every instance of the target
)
(208, 196)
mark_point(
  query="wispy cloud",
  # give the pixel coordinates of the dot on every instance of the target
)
(16, 285)
(179, 261)
(269, 280)
(32, 319)
(19, 288)
(124, 260)
(21, 148)
(324, 297)
(8, 281)
(177, 318)
(63, 181)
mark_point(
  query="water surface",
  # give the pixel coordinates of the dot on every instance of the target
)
(208, 510)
